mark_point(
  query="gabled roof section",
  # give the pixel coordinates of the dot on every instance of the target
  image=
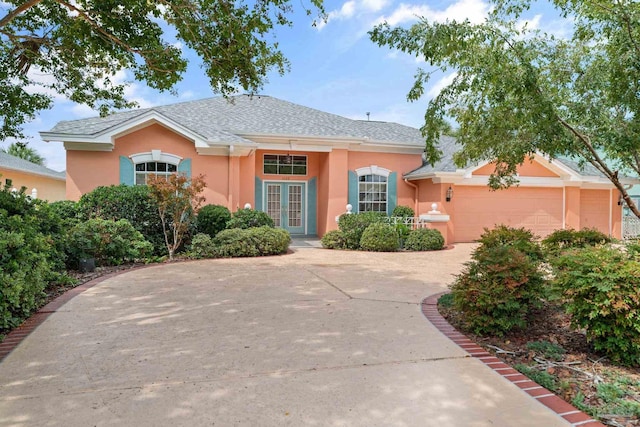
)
(566, 168)
(240, 119)
(10, 162)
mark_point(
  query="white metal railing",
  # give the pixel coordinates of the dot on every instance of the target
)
(630, 227)
(411, 222)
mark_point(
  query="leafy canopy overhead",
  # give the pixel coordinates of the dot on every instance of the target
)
(77, 48)
(516, 92)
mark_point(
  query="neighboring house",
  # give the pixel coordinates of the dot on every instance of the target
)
(303, 166)
(47, 183)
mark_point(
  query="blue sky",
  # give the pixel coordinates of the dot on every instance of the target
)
(334, 67)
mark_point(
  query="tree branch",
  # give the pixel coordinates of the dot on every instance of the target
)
(17, 11)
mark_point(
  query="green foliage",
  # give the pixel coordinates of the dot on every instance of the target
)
(600, 288)
(501, 284)
(30, 254)
(203, 246)
(561, 240)
(379, 237)
(633, 249)
(250, 242)
(212, 219)
(333, 239)
(82, 46)
(403, 211)
(518, 91)
(65, 209)
(23, 151)
(353, 225)
(446, 300)
(547, 349)
(133, 203)
(543, 378)
(248, 218)
(109, 242)
(424, 239)
(520, 239)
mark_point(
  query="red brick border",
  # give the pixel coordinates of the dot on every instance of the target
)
(16, 336)
(567, 411)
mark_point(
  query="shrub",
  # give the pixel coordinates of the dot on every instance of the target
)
(333, 239)
(379, 237)
(66, 209)
(133, 203)
(203, 246)
(353, 225)
(520, 239)
(255, 241)
(497, 289)
(424, 239)
(600, 287)
(403, 211)
(212, 219)
(248, 218)
(109, 242)
(562, 240)
(30, 254)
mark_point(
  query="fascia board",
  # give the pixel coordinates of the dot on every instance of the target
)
(301, 139)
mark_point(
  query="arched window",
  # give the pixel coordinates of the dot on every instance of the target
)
(154, 162)
(372, 189)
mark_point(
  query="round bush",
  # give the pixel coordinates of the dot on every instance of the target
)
(65, 209)
(333, 239)
(424, 239)
(561, 240)
(212, 219)
(517, 238)
(109, 242)
(379, 237)
(403, 211)
(250, 242)
(202, 246)
(248, 218)
(353, 225)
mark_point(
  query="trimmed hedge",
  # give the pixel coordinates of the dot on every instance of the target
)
(212, 219)
(353, 225)
(403, 211)
(241, 242)
(562, 240)
(379, 237)
(333, 239)
(133, 203)
(424, 239)
(109, 242)
(249, 218)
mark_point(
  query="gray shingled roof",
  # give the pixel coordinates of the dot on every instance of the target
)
(15, 163)
(449, 147)
(219, 119)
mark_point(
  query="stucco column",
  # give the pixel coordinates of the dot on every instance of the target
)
(572, 207)
(337, 177)
(234, 183)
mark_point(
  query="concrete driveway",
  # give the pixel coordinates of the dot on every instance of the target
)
(318, 337)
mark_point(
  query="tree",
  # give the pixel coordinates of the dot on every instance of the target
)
(80, 46)
(177, 198)
(517, 92)
(21, 150)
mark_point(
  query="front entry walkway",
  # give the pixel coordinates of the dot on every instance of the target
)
(325, 338)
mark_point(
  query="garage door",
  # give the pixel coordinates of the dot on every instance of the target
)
(537, 209)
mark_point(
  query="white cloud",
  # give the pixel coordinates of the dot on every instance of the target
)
(474, 10)
(529, 24)
(441, 84)
(353, 8)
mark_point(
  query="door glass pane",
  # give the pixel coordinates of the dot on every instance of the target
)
(273, 203)
(295, 205)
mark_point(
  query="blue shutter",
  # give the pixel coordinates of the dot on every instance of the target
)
(312, 203)
(392, 192)
(258, 205)
(353, 191)
(184, 168)
(127, 173)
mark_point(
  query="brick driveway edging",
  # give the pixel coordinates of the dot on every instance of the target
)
(567, 411)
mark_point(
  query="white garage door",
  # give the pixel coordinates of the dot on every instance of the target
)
(537, 209)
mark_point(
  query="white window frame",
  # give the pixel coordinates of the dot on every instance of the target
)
(156, 156)
(374, 170)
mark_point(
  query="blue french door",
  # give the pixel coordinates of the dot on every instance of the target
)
(285, 203)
